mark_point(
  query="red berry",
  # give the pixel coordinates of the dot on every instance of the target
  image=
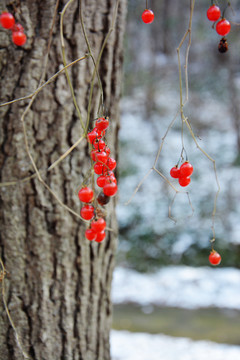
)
(186, 169)
(92, 135)
(98, 225)
(7, 20)
(99, 144)
(100, 236)
(184, 181)
(107, 172)
(93, 154)
(100, 133)
(19, 38)
(214, 258)
(175, 172)
(102, 123)
(111, 163)
(17, 27)
(85, 194)
(87, 212)
(103, 199)
(98, 168)
(147, 16)
(101, 181)
(213, 13)
(223, 27)
(110, 189)
(102, 156)
(110, 178)
(90, 234)
(107, 150)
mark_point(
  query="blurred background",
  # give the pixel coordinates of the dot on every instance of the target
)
(163, 283)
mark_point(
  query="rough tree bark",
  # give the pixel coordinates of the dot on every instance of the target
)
(58, 285)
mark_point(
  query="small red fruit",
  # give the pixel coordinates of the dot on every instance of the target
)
(110, 178)
(19, 38)
(102, 156)
(184, 181)
(100, 236)
(98, 168)
(17, 27)
(223, 27)
(100, 133)
(92, 135)
(93, 154)
(7, 20)
(107, 150)
(214, 258)
(110, 189)
(98, 144)
(101, 181)
(87, 212)
(175, 172)
(85, 194)
(102, 123)
(98, 225)
(213, 13)
(147, 16)
(90, 234)
(186, 169)
(111, 163)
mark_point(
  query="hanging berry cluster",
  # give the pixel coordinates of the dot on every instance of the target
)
(7, 21)
(223, 26)
(183, 173)
(103, 167)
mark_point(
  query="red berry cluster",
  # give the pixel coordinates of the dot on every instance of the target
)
(148, 16)
(96, 230)
(86, 196)
(100, 154)
(7, 21)
(223, 26)
(183, 173)
(104, 165)
(214, 258)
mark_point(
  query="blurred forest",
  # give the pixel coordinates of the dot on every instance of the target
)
(148, 238)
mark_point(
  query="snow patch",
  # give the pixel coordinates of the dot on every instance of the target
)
(141, 346)
(179, 286)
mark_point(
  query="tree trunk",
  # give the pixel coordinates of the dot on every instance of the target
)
(58, 283)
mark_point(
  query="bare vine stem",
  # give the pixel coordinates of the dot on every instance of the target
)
(93, 59)
(51, 79)
(186, 123)
(64, 63)
(52, 166)
(98, 61)
(3, 295)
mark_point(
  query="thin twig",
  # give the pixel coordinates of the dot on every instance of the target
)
(17, 337)
(52, 166)
(98, 61)
(93, 59)
(64, 62)
(52, 78)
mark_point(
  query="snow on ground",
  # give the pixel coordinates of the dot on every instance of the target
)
(141, 346)
(179, 286)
